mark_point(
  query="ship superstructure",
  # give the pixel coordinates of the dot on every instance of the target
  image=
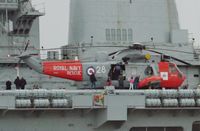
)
(19, 24)
(124, 22)
(97, 23)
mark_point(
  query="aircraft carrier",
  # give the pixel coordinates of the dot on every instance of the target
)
(59, 106)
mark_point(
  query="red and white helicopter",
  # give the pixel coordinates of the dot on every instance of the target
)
(155, 74)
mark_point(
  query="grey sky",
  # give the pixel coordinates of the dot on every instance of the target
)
(54, 25)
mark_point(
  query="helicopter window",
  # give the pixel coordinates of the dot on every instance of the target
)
(148, 71)
(108, 34)
(172, 68)
(156, 68)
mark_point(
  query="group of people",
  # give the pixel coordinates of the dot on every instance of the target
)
(19, 84)
(133, 81)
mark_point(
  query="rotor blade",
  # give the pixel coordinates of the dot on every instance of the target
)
(186, 52)
(154, 51)
(27, 44)
(13, 55)
(128, 46)
(179, 60)
(34, 54)
(119, 52)
(85, 46)
(112, 53)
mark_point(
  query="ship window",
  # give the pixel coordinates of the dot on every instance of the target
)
(157, 129)
(124, 35)
(130, 35)
(113, 34)
(119, 35)
(108, 34)
(196, 75)
(174, 129)
(138, 129)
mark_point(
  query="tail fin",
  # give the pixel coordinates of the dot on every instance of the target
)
(28, 59)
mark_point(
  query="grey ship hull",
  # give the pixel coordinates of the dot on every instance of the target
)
(120, 110)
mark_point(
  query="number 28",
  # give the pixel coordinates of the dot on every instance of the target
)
(101, 69)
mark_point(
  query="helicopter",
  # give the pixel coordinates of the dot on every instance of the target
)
(162, 74)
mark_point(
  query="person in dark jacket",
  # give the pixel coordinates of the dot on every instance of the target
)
(93, 80)
(17, 83)
(121, 81)
(22, 83)
(136, 81)
(117, 71)
(8, 85)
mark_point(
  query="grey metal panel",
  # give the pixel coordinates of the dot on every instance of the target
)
(7, 102)
(192, 76)
(116, 108)
(133, 101)
(81, 101)
(116, 113)
(117, 105)
(179, 36)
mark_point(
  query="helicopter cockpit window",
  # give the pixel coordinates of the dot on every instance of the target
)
(148, 71)
(175, 70)
(172, 68)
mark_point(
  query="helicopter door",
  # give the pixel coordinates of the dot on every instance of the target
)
(116, 70)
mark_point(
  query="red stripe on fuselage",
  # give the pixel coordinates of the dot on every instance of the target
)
(71, 70)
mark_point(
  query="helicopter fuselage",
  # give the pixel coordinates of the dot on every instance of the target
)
(164, 74)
